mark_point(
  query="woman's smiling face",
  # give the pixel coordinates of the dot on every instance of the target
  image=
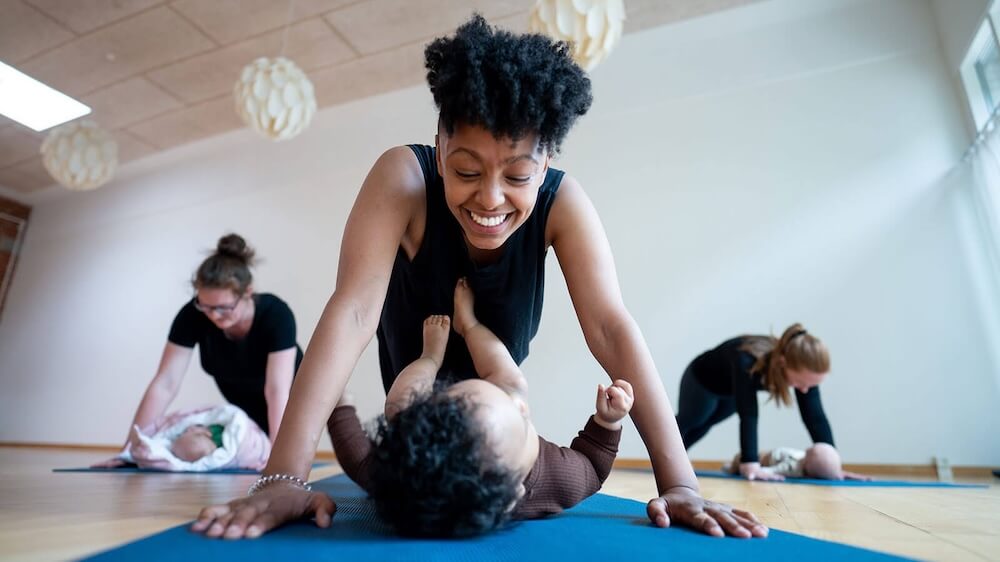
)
(490, 184)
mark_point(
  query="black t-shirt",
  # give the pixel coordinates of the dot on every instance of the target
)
(509, 293)
(240, 366)
(725, 371)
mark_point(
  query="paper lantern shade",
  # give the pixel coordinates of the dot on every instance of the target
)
(80, 155)
(593, 27)
(275, 98)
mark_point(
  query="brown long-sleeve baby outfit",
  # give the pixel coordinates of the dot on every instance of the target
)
(560, 478)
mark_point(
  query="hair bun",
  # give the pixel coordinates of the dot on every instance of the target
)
(233, 245)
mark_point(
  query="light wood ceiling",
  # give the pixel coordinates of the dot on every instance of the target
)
(159, 74)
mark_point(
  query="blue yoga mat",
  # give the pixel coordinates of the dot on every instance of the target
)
(132, 469)
(848, 483)
(602, 528)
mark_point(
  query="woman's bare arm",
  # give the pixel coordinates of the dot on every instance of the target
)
(390, 200)
(279, 374)
(581, 245)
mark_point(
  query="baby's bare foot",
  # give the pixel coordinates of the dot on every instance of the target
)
(465, 314)
(436, 330)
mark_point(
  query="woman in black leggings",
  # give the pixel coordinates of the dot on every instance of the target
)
(725, 380)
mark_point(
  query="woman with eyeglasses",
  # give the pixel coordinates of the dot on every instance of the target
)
(246, 342)
(725, 380)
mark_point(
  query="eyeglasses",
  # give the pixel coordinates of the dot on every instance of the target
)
(220, 310)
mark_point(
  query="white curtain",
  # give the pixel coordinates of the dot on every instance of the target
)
(977, 179)
(980, 171)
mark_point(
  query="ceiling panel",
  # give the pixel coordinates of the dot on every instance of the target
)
(311, 44)
(379, 25)
(86, 15)
(17, 143)
(127, 102)
(189, 124)
(374, 74)
(119, 51)
(25, 32)
(228, 21)
(131, 147)
(26, 176)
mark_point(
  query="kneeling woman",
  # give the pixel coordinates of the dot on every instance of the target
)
(246, 340)
(725, 380)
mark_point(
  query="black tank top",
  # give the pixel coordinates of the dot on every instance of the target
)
(508, 292)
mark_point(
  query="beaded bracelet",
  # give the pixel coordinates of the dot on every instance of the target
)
(265, 481)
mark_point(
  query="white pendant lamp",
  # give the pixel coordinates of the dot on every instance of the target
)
(275, 98)
(80, 155)
(593, 27)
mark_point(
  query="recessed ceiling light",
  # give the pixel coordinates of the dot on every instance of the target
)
(33, 104)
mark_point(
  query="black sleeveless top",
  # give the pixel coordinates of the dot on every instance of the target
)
(508, 292)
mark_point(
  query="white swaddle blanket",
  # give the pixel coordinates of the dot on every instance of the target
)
(244, 444)
(788, 462)
(785, 461)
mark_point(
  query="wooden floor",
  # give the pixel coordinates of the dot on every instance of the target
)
(50, 516)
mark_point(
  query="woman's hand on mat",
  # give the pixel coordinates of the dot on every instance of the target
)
(855, 476)
(754, 471)
(684, 506)
(252, 516)
(113, 462)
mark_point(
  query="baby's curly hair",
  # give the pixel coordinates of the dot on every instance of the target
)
(512, 85)
(434, 475)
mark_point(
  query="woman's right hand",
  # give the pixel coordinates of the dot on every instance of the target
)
(113, 462)
(252, 516)
(753, 471)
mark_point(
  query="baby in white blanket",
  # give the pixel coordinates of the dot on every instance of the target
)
(220, 437)
(821, 461)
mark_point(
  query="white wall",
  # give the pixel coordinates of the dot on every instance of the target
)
(776, 163)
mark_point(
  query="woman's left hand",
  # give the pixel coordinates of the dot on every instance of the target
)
(856, 476)
(686, 507)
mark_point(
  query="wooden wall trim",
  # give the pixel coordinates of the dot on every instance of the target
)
(927, 470)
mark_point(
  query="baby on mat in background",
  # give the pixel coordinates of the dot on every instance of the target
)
(462, 459)
(820, 461)
(213, 438)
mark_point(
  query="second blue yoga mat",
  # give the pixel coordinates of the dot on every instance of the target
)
(847, 483)
(602, 528)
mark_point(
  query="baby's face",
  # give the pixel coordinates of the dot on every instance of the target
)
(504, 418)
(195, 443)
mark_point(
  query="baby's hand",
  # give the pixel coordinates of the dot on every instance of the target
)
(613, 404)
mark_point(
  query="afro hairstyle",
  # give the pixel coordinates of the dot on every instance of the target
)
(512, 85)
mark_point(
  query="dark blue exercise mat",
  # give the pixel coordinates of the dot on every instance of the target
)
(133, 469)
(603, 528)
(849, 483)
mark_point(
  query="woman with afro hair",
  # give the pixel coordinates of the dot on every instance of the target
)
(482, 203)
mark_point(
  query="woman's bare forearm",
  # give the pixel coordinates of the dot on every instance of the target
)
(154, 402)
(343, 333)
(621, 350)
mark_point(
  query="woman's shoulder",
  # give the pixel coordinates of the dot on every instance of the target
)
(571, 208)
(188, 313)
(189, 325)
(400, 173)
(270, 305)
(730, 346)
